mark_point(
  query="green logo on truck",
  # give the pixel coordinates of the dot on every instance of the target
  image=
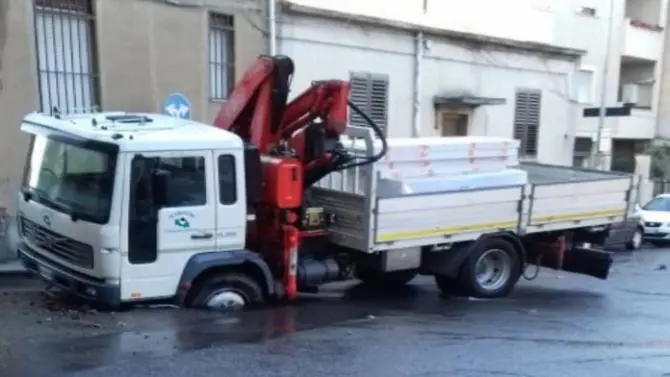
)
(182, 222)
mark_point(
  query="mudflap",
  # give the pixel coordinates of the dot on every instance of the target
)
(584, 261)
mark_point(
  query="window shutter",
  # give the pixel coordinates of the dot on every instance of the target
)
(527, 120)
(370, 93)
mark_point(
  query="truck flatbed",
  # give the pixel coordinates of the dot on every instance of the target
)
(369, 218)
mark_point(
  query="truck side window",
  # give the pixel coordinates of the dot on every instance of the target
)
(227, 181)
(186, 185)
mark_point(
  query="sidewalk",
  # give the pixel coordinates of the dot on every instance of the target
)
(11, 268)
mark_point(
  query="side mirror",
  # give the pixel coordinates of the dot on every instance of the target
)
(159, 184)
(638, 208)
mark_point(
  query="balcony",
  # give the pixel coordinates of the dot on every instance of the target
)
(640, 125)
(641, 40)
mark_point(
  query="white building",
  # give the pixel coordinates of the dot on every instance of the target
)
(633, 70)
(486, 67)
(447, 69)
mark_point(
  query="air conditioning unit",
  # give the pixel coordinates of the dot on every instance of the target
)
(630, 93)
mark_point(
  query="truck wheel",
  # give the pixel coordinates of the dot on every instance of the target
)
(635, 241)
(492, 271)
(231, 291)
(372, 277)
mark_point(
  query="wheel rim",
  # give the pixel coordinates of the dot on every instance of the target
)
(637, 239)
(493, 269)
(226, 300)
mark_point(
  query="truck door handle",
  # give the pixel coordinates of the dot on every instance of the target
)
(201, 236)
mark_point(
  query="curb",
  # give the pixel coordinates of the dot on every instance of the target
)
(13, 269)
(15, 278)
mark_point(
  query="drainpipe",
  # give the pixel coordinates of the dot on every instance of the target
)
(272, 27)
(418, 59)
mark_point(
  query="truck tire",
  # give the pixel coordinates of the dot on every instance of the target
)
(636, 240)
(381, 279)
(492, 271)
(229, 291)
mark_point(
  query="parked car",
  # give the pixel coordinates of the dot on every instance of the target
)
(626, 234)
(655, 217)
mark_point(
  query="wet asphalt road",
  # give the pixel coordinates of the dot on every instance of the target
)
(558, 325)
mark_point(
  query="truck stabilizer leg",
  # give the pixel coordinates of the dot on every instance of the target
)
(291, 242)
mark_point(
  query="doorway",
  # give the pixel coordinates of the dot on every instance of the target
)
(452, 121)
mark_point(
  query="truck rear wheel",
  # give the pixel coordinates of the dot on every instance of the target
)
(381, 279)
(490, 272)
(229, 291)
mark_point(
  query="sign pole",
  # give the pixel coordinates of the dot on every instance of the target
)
(596, 153)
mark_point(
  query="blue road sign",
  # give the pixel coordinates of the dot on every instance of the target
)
(177, 105)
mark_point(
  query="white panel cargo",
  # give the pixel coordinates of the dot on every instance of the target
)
(369, 218)
(436, 157)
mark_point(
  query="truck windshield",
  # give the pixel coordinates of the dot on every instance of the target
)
(69, 177)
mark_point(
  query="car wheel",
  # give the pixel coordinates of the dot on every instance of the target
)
(635, 241)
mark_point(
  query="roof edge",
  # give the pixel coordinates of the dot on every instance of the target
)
(477, 39)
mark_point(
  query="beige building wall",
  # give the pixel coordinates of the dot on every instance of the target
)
(145, 51)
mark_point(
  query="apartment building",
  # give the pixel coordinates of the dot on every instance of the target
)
(87, 55)
(633, 66)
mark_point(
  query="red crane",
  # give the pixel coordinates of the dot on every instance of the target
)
(298, 143)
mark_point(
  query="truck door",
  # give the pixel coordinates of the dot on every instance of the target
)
(160, 244)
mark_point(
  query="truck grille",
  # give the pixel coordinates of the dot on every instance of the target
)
(75, 252)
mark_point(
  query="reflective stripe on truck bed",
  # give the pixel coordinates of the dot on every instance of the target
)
(576, 216)
(434, 232)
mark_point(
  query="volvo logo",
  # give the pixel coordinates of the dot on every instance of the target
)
(47, 220)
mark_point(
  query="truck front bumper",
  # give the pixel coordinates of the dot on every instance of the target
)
(73, 282)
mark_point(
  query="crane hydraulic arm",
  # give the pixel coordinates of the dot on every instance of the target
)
(308, 127)
(298, 143)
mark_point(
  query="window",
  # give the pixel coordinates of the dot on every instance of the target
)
(584, 86)
(187, 186)
(527, 120)
(66, 69)
(221, 55)
(582, 152)
(227, 181)
(370, 93)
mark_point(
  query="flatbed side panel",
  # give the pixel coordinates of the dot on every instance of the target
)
(570, 204)
(351, 219)
(447, 215)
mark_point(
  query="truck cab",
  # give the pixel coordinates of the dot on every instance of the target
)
(120, 207)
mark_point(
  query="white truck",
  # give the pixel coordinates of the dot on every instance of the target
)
(86, 225)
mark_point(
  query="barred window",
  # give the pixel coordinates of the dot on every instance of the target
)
(221, 55)
(66, 67)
